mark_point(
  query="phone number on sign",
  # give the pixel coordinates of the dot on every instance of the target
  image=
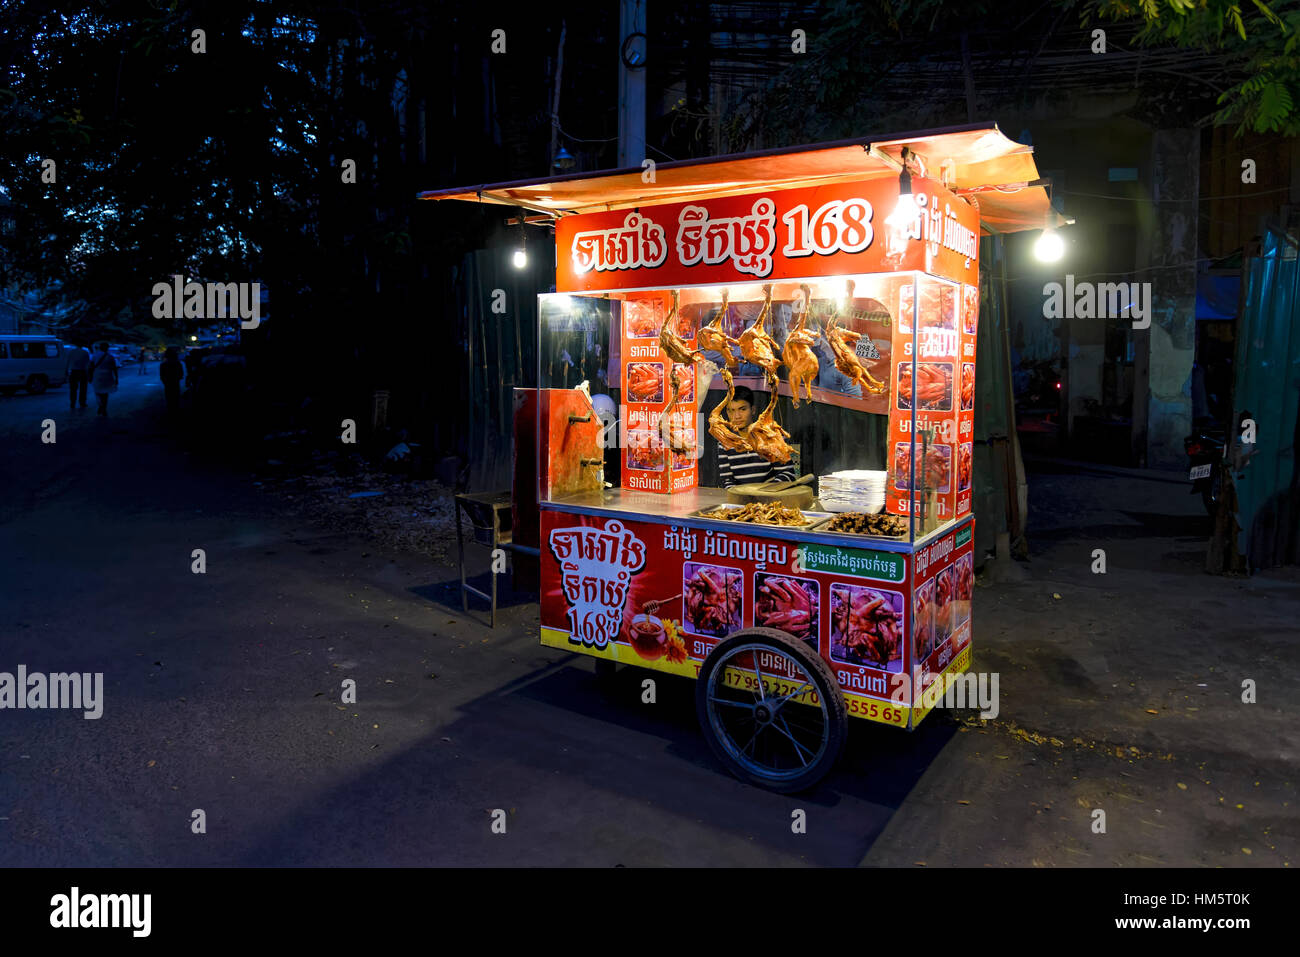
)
(866, 708)
(773, 686)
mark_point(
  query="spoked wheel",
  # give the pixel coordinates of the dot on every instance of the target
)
(771, 709)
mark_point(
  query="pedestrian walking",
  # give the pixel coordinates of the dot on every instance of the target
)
(142, 361)
(171, 372)
(77, 371)
(103, 376)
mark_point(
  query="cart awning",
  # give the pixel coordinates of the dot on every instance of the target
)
(998, 172)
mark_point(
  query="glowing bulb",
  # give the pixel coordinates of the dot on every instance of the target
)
(1050, 247)
(520, 259)
(905, 212)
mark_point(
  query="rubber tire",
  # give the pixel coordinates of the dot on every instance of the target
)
(37, 384)
(825, 684)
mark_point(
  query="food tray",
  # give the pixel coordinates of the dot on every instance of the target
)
(822, 527)
(813, 518)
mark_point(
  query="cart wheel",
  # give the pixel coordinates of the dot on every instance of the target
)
(760, 734)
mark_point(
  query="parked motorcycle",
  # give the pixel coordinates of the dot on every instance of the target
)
(1204, 449)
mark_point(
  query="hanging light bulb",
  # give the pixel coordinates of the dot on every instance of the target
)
(520, 258)
(906, 211)
(1049, 247)
(564, 159)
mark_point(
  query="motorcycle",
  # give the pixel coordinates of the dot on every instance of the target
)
(1204, 449)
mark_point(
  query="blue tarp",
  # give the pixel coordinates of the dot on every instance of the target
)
(1217, 296)
(1268, 387)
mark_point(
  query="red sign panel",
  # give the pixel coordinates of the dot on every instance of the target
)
(781, 234)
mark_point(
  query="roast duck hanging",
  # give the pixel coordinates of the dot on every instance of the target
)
(846, 360)
(756, 345)
(798, 355)
(715, 339)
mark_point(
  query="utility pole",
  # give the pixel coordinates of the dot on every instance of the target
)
(631, 83)
(555, 103)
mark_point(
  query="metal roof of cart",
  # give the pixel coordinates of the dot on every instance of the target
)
(988, 166)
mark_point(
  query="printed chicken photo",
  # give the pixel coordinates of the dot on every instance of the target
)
(966, 578)
(645, 382)
(644, 451)
(944, 596)
(711, 599)
(964, 465)
(642, 318)
(866, 627)
(967, 385)
(938, 469)
(789, 604)
(970, 308)
(934, 386)
(947, 318)
(923, 621)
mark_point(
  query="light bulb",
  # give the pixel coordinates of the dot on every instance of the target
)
(1049, 247)
(905, 212)
(520, 259)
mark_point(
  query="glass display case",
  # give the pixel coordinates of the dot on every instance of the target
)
(862, 385)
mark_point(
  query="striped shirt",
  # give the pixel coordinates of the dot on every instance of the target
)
(741, 468)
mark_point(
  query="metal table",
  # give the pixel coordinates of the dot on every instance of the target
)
(485, 510)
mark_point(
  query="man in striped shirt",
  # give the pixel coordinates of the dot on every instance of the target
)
(741, 468)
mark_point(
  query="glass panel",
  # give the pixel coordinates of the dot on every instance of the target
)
(841, 413)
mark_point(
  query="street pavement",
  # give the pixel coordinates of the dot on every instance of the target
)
(222, 694)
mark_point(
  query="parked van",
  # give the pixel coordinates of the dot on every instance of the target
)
(33, 363)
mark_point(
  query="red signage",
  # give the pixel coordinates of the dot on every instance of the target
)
(832, 230)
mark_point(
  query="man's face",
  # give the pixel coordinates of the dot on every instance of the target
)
(739, 412)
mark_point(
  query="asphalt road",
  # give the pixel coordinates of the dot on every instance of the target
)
(222, 694)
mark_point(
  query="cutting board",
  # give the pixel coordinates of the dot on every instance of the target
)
(797, 494)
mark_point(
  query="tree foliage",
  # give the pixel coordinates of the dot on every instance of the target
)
(1262, 36)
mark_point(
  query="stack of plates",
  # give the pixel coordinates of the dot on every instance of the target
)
(852, 491)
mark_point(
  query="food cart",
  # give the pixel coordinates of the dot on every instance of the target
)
(840, 282)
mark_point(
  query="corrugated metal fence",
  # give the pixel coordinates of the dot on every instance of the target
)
(1268, 388)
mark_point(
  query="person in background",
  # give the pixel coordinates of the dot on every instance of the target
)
(171, 372)
(741, 468)
(143, 359)
(103, 376)
(77, 371)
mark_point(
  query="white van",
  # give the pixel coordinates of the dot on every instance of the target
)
(33, 363)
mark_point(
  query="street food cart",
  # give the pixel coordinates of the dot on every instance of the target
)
(840, 282)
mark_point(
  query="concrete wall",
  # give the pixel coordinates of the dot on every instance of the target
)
(1171, 269)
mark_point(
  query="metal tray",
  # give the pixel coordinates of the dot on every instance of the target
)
(822, 527)
(814, 518)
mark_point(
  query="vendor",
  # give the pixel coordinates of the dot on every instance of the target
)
(742, 468)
